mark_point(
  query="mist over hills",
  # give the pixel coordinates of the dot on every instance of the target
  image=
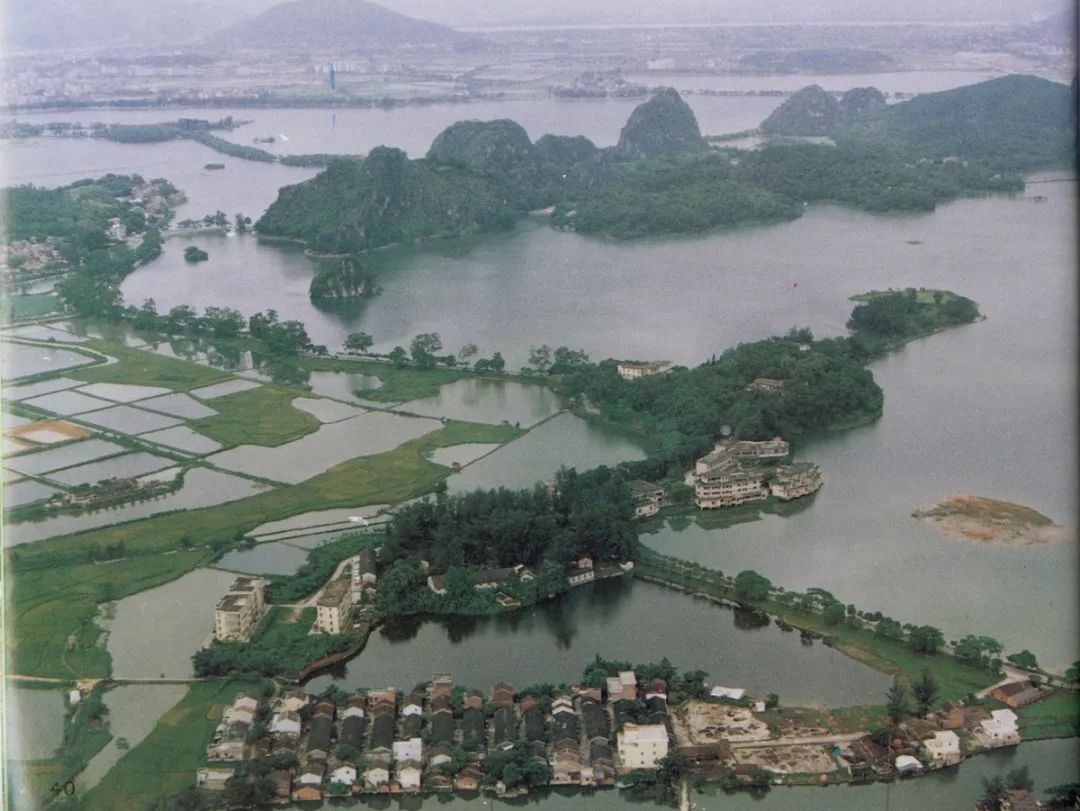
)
(356, 25)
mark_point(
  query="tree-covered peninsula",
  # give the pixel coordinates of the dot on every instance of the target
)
(661, 178)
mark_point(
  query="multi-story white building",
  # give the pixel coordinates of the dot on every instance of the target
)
(729, 484)
(239, 611)
(795, 481)
(334, 606)
(642, 747)
(632, 371)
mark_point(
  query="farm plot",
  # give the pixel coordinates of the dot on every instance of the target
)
(234, 386)
(126, 419)
(327, 410)
(178, 405)
(116, 467)
(76, 453)
(27, 492)
(183, 438)
(48, 432)
(122, 392)
(27, 390)
(25, 360)
(67, 403)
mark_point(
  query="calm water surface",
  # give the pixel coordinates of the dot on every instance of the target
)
(619, 619)
(34, 721)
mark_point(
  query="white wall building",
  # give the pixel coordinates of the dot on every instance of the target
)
(943, 749)
(642, 747)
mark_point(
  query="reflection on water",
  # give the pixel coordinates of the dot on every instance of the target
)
(618, 619)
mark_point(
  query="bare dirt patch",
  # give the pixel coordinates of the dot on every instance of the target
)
(976, 519)
(48, 432)
(702, 722)
(798, 759)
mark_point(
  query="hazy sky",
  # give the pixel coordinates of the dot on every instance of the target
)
(495, 12)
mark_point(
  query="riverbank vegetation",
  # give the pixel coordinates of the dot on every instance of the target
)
(164, 763)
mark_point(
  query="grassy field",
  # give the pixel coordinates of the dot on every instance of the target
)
(837, 721)
(1056, 716)
(262, 416)
(49, 602)
(164, 763)
(55, 591)
(142, 368)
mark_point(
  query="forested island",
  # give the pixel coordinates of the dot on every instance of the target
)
(662, 176)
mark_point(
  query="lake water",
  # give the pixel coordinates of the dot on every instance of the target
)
(492, 401)
(145, 639)
(619, 619)
(563, 440)
(280, 557)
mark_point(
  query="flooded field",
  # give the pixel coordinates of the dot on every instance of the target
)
(327, 410)
(116, 467)
(25, 492)
(342, 385)
(178, 405)
(24, 360)
(76, 453)
(27, 390)
(129, 420)
(293, 462)
(201, 488)
(338, 516)
(234, 386)
(122, 392)
(185, 439)
(67, 402)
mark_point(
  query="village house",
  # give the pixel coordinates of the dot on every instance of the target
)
(583, 572)
(440, 753)
(285, 724)
(344, 774)
(213, 779)
(318, 739)
(376, 775)
(630, 370)
(239, 611)
(648, 498)
(906, 764)
(334, 607)
(1018, 694)
(309, 783)
(506, 601)
(727, 693)
(1000, 729)
(943, 749)
(469, 778)
(364, 573)
(281, 779)
(408, 776)
(642, 747)
(795, 481)
(410, 750)
(502, 695)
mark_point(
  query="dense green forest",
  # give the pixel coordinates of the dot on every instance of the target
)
(345, 279)
(661, 179)
(1010, 124)
(589, 514)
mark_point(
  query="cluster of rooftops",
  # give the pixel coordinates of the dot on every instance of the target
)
(437, 736)
(739, 471)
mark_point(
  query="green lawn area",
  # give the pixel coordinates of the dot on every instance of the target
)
(262, 416)
(56, 592)
(164, 763)
(143, 368)
(1056, 716)
(32, 305)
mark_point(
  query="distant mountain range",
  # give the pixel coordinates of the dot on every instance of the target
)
(350, 25)
(353, 25)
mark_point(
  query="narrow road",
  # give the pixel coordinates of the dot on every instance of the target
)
(845, 737)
